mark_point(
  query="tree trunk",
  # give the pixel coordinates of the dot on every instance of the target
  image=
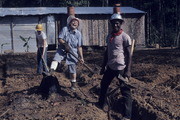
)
(177, 24)
(148, 42)
(178, 34)
(107, 3)
(161, 22)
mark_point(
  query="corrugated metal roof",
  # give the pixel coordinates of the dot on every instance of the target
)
(63, 10)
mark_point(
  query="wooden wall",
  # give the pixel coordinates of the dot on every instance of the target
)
(95, 28)
(134, 26)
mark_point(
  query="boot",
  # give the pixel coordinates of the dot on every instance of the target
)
(73, 85)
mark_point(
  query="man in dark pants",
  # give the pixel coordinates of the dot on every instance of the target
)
(117, 63)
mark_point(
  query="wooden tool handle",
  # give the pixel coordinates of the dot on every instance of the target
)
(82, 63)
(132, 46)
(46, 67)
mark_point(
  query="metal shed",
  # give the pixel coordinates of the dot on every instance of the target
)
(15, 22)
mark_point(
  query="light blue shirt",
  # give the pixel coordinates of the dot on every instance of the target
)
(74, 40)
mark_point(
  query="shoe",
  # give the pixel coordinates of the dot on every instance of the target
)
(73, 85)
(125, 118)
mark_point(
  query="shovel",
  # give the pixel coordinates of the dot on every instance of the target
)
(125, 80)
(46, 67)
(85, 65)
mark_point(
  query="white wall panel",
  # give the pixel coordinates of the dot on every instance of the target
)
(25, 27)
(5, 35)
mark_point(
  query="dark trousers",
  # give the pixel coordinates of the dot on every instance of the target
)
(40, 64)
(125, 91)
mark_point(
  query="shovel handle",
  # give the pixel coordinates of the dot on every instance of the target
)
(132, 46)
(46, 67)
(88, 68)
(82, 63)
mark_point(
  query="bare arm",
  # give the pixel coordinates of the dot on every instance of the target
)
(61, 41)
(127, 70)
(66, 47)
(44, 47)
(80, 52)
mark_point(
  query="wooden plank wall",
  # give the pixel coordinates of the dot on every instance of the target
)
(95, 28)
(134, 26)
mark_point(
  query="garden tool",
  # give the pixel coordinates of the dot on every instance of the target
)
(126, 80)
(91, 71)
(46, 67)
(69, 50)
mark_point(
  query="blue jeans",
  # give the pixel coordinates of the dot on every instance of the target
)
(125, 91)
(40, 64)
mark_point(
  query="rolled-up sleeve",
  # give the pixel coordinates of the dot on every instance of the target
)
(44, 36)
(62, 33)
(79, 40)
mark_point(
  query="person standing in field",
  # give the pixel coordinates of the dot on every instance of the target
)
(70, 40)
(42, 46)
(117, 63)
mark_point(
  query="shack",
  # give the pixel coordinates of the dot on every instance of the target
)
(16, 22)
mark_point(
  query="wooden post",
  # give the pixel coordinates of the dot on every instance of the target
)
(132, 46)
(116, 8)
(12, 41)
(70, 11)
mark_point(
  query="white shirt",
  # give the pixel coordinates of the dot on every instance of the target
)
(40, 38)
(116, 57)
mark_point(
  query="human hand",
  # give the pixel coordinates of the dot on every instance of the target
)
(42, 56)
(127, 74)
(82, 60)
(66, 47)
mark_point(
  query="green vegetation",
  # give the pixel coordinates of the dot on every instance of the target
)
(26, 44)
(2, 45)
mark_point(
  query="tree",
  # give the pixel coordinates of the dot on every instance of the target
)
(1, 2)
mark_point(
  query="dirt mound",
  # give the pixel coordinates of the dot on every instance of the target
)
(156, 97)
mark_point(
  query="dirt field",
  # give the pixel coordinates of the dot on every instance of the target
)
(155, 72)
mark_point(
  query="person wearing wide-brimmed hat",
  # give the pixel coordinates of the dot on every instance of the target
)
(70, 39)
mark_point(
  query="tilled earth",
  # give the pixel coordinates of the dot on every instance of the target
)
(155, 73)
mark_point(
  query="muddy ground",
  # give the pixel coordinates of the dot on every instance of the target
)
(155, 72)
